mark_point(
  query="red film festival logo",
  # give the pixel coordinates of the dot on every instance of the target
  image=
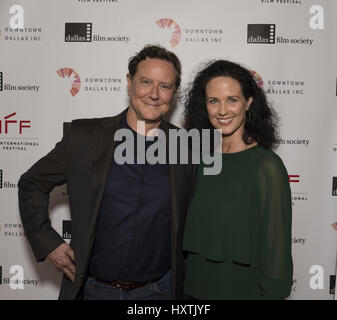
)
(168, 23)
(294, 178)
(8, 120)
(76, 83)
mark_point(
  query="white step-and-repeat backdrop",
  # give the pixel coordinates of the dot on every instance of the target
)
(67, 59)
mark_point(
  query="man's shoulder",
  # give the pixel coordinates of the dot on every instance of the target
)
(88, 121)
(88, 125)
(104, 121)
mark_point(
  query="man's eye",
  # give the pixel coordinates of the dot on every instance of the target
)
(166, 86)
(146, 82)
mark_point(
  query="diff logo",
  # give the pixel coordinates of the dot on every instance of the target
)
(334, 186)
(294, 178)
(1, 179)
(1, 82)
(76, 83)
(10, 122)
(261, 33)
(168, 23)
(78, 32)
(66, 229)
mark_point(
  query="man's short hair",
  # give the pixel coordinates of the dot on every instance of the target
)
(156, 52)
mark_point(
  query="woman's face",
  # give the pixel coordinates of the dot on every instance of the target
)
(226, 105)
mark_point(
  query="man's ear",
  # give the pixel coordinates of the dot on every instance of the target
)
(129, 82)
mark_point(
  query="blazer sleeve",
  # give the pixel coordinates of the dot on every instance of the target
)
(34, 187)
(276, 265)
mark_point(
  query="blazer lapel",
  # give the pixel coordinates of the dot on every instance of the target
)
(103, 152)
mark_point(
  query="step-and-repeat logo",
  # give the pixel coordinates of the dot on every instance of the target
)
(25, 87)
(12, 230)
(176, 31)
(16, 278)
(294, 178)
(76, 80)
(14, 134)
(297, 196)
(281, 2)
(83, 32)
(334, 225)
(78, 32)
(258, 79)
(294, 142)
(10, 124)
(334, 186)
(4, 184)
(66, 229)
(285, 87)
(190, 34)
(266, 34)
(332, 284)
(261, 33)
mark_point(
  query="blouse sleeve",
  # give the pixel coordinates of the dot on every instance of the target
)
(276, 266)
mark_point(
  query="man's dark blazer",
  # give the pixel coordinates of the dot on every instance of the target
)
(81, 160)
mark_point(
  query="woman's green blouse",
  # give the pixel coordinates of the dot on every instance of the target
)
(238, 230)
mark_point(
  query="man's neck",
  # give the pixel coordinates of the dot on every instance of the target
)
(132, 119)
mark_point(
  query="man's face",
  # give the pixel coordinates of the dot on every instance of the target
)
(151, 90)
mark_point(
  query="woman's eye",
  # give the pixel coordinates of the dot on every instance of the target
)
(212, 101)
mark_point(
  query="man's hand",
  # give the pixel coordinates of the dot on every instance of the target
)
(63, 259)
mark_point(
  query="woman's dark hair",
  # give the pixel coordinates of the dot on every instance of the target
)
(261, 121)
(156, 52)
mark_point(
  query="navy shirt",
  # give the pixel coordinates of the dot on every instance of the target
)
(134, 225)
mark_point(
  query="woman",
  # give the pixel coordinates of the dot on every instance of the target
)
(238, 229)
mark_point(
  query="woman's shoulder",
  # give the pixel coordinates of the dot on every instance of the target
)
(269, 160)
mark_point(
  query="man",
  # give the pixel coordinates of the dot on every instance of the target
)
(127, 220)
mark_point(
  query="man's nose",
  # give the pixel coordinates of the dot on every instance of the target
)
(154, 94)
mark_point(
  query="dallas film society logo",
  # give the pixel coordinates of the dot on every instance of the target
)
(296, 142)
(26, 87)
(266, 34)
(13, 134)
(66, 229)
(5, 184)
(334, 186)
(83, 32)
(189, 34)
(16, 280)
(92, 84)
